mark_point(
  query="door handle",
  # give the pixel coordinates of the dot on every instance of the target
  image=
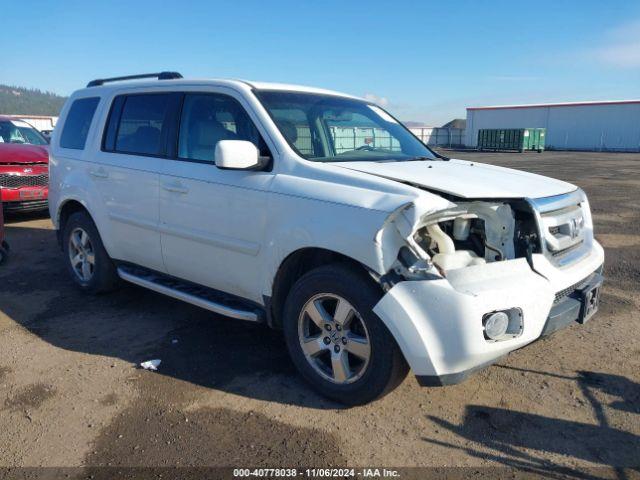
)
(100, 173)
(175, 187)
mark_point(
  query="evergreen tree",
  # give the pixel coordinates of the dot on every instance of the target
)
(29, 101)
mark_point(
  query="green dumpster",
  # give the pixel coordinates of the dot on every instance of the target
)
(520, 139)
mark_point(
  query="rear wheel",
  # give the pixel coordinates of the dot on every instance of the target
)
(4, 254)
(336, 341)
(85, 255)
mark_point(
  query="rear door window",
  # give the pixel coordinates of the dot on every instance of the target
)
(139, 129)
(76, 126)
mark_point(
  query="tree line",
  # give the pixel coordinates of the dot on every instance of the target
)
(29, 101)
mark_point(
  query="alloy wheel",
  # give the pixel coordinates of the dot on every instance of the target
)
(81, 254)
(334, 338)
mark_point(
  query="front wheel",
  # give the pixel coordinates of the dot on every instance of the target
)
(336, 341)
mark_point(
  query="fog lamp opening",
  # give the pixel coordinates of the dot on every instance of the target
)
(503, 324)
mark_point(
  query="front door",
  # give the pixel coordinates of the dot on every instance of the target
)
(212, 221)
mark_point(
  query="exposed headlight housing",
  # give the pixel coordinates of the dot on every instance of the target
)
(503, 325)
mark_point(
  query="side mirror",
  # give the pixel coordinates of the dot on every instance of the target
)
(237, 155)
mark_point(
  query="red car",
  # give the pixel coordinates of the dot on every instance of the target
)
(4, 246)
(24, 166)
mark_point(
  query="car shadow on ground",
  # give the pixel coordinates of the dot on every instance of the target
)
(17, 217)
(508, 433)
(135, 324)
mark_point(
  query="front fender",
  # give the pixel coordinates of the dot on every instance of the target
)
(310, 223)
(370, 232)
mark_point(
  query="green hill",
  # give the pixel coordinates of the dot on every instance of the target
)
(27, 101)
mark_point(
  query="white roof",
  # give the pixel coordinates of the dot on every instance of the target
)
(237, 83)
(295, 88)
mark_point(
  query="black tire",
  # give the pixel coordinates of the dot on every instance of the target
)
(4, 255)
(105, 277)
(386, 366)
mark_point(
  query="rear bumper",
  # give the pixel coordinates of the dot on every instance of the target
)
(438, 323)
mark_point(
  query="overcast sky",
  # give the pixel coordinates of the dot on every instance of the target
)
(424, 61)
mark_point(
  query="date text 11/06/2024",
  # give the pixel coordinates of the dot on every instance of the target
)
(316, 472)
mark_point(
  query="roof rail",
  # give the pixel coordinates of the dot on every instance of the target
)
(159, 76)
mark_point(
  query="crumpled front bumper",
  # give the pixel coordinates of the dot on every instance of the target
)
(438, 323)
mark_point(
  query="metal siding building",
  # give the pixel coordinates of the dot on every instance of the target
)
(40, 122)
(610, 126)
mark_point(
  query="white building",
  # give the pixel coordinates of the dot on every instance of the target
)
(610, 125)
(40, 122)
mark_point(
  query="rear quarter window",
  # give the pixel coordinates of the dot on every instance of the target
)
(76, 126)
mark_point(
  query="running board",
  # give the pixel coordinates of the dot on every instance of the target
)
(203, 297)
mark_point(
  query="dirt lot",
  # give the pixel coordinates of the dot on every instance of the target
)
(226, 393)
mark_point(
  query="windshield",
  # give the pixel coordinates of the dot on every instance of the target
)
(327, 128)
(18, 131)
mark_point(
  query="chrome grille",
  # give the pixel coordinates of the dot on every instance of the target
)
(17, 181)
(568, 249)
(562, 224)
(565, 227)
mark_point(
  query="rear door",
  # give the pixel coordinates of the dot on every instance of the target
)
(213, 220)
(127, 175)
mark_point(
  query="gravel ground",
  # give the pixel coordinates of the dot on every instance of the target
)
(227, 395)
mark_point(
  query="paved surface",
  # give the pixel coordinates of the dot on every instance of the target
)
(226, 393)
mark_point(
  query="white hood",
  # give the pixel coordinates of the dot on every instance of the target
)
(465, 179)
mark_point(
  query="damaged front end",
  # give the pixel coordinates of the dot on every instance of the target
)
(463, 234)
(472, 280)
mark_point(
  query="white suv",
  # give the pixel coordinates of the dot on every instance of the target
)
(320, 214)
